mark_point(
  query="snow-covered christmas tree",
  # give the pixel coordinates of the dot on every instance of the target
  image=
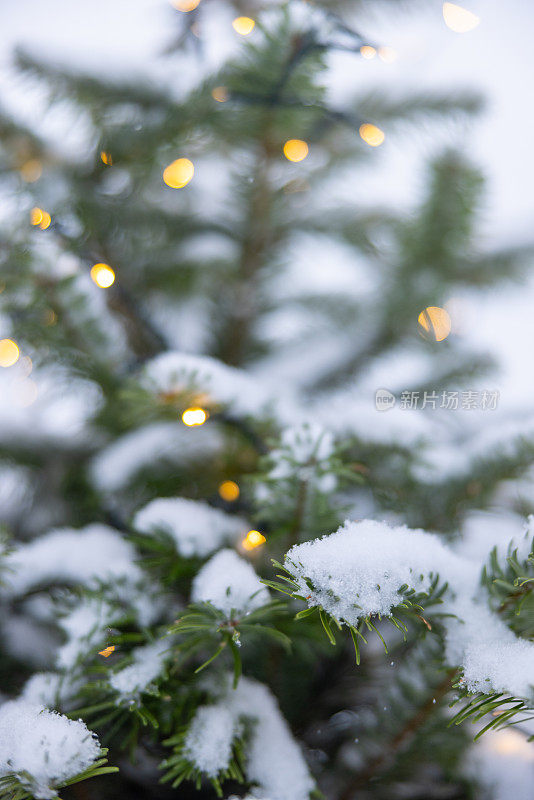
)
(206, 576)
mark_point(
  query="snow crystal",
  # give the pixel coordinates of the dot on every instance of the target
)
(196, 528)
(208, 743)
(359, 570)
(47, 746)
(147, 665)
(87, 555)
(118, 463)
(229, 583)
(275, 762)
(223, 385)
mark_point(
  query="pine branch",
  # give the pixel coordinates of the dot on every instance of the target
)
(144, 339)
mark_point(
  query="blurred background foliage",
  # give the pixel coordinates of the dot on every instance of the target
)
(194, 203)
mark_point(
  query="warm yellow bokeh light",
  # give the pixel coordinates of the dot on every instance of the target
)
(295, 150)
(253, 539)
(9, 352)
(179, 173)
(220, 93)
(372, 135)
(40, 218)
(243, 25)
(102, 275)
(387, 54)
(435, 323)
(185, 5)
(107, 651)
(510, 743)
(367, 51)
(106, 158)
(459, 19)
(36, 216)
(229, 491)
(31, 171)
(194, 416)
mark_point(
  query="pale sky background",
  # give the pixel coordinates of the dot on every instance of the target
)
(127, 36)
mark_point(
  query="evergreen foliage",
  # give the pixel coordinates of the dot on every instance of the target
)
(197, 320)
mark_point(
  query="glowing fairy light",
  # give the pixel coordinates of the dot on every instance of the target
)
(243, 25)
(220, 94)
(107, 651)
(372, 135)
(252, 540)
(106, 158)
(40, 218)
(46, 221)
(509, 743)
(36, 215)
(179, 173)
(368, 52)
(229, 491)
(434, 323)
(459, 19)
(9, 352)
(295, 150)
(185, 5)
(194, 416)
(102, 275)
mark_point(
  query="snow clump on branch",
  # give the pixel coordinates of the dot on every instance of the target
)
(359, 571)
(274, 760)
(42, 748)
